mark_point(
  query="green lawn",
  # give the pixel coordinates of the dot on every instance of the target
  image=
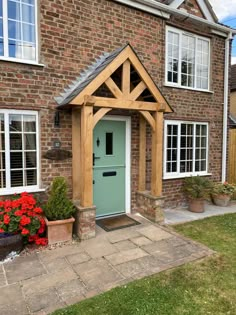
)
(200, 288)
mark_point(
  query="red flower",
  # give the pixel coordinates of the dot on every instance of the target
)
(18, 213)
(38, 210)
(25, 220)
(24, 231)
(6, 219)
(41, 241)
(2, 231)
(33, 238)
(41, 230)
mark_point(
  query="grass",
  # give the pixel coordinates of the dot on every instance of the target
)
(200, 288)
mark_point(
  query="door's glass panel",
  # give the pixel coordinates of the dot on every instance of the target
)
(109, 143)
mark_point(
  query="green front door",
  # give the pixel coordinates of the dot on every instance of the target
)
(109, 167)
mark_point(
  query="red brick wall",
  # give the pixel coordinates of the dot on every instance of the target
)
(72, 35)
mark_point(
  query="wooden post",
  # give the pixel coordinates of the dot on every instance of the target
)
(87, 155)
(157, 152)
(76, 156)
(142, 154)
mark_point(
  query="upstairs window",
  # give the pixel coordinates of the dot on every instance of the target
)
(18, 30)
(186, 149)
(187, 60)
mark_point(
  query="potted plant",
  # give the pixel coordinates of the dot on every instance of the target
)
(222, 193)
(58, 212)
(197, 189)
(21, 222)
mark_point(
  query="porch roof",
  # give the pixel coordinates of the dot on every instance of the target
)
(94, 73)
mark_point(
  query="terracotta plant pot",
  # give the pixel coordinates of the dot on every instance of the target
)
(196, 205)
(221, 200)
(59, 231)
(10, 243)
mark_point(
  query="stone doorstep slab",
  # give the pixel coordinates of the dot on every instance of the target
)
(154, 233)
(125, 256)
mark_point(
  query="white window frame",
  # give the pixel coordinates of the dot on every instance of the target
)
(5, 37)
(11, 190)
(178, 174)
(178, 84)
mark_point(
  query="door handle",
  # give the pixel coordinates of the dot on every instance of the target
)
(95, 158)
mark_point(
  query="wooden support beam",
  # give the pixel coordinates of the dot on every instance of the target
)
(102, 77)
(157, 153)
(142, 154)
(76, 156)
(122, 104)
(126, 79)
(99, 114)
(148, 118)
(137, 91)
(113, 88)
(87, 156)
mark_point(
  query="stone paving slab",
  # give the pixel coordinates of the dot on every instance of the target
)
(52, 278)
(23, 268)
(126, 255)
(42, 300)
(42, 283)
(97, 273)
(98, 247)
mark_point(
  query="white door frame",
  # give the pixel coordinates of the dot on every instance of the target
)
(127, 121)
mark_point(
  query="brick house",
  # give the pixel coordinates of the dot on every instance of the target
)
(135, 90)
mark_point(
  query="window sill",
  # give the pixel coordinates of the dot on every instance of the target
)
(187, 88)
(4, 192)
(166, 177)
(27, 62)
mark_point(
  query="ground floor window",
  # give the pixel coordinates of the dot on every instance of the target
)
(19, 150)
(186, 148)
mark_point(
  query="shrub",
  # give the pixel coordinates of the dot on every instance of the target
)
(21, 215)
(224, 189)
(196, 187)
(59, 206)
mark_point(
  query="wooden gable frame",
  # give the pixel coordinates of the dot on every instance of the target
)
(126, 96)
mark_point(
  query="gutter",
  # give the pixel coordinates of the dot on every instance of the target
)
(160, 9)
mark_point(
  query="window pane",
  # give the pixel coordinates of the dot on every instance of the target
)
(30, 141)
(173, 56)
(29, 123)
(30, 158)
(28, 13)
(188, 60)
(28, 33)
(31, 177)
(15, 49)
(16, 160)
(202, 63)
(16, 178)
(15, 141)
(172, 143)
(14, 30)
(15, 122)
(14, 10)
(109, 143)
(2, 153)
(0, 8)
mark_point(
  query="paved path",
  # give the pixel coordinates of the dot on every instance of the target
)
(181, 215)
(46, 280)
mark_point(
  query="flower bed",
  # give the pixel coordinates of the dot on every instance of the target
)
(22, 216)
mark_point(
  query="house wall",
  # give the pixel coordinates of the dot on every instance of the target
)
(72, 35)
